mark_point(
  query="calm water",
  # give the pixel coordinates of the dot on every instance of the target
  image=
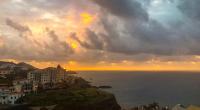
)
(136, 88)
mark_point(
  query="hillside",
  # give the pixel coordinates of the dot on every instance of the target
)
(74, 99)
(11, 65)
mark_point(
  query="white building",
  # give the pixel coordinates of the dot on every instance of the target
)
(10, 94)
(47, 75)
(22, 85)
(7, 96)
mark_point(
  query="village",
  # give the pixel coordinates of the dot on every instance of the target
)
(13, 89)
(24, 87)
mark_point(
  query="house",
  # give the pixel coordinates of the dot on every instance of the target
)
(61, 74)
(6, 88)
(43, 76)
(8, 96)
(48, 75)
(22, 85)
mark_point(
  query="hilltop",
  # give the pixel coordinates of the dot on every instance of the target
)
(12, 65)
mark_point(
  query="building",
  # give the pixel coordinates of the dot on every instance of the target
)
(61, 74)
(5, 71)
(8, 95)
(22, 85)
(43, 76)
(47, 75)
(9, 98)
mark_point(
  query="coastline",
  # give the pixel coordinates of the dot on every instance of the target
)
(138, 88)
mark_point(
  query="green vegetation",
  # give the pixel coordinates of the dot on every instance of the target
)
(68, 97)
(74, 99)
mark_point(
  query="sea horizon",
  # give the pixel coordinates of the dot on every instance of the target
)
(133, 88)
(155, 71)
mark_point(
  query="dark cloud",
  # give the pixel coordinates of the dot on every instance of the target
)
(17, 26)
(59, 48)
(124, 8)
(151, 38)
(190, 8)
(92, 41)
(24, 31)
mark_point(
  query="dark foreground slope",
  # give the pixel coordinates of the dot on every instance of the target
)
(74, 99)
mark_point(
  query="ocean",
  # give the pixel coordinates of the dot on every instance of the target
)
(139, 88)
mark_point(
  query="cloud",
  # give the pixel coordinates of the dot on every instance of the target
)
(24, 31)
(49, 49)
(1, 42)
(56, 5)
(124, 8)
(151, 38)
(59, 48)
(92, 41)
(122, 30)
(17, 26)
(190, 8)
(50, 4)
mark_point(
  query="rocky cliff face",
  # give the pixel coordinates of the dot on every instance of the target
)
(109, 104)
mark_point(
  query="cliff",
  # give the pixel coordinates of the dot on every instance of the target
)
(74, 99)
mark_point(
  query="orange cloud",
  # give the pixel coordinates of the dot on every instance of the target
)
(72, 62)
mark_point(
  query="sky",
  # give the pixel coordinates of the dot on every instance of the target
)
(102, 34)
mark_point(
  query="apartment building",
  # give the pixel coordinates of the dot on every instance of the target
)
(47, 75)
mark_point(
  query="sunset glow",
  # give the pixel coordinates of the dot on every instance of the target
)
(74, 45)
(87, 18)
(96, 35)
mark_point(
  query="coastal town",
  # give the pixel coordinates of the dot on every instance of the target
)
(24, 87)
(19, 80)
(15, 88)
(22, 83)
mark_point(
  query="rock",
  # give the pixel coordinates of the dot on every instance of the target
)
(105, 87)
(72, 72)
(76, 82)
